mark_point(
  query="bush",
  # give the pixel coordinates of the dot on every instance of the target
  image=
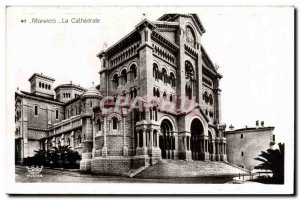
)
(61, 157)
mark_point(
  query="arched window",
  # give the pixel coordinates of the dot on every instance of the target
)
(165, 95)
(172, 79)
(157, 92)
(49, 87)
(189, 78)
(210, 99)
(171, 97)
(99, 124)
(124, 76)
(134, 92)
(115, 81)
(79, 139)
(68, 142)
(155, 113)
(205, 97)
(91, 104)
(115, 123)
(36, 110)
(133, 72)
(131, 93)
(40, 84)
(190, 36)
(155, 71)
(43, 85)
(164, 75)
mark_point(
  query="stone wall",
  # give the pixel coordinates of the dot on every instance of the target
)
(251, 143)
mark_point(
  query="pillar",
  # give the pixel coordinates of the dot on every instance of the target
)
(46, 145)
(94, 139)
(87, 144)
(104, 148)
(125, 149)
(62, 140)
(213, 155)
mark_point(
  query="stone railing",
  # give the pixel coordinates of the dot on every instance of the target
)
(66, 125)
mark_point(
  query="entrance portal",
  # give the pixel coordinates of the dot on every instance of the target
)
(166, 140)
(197, 133)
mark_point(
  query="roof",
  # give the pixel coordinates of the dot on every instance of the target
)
(41, 76)
(91, 92)
(69, 86)
(251, 129)
(40, 97)
(171, 17)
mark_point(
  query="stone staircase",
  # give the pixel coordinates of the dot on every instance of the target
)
(181, 168)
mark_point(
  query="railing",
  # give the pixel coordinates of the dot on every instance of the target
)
(250, 176)
(66, 126)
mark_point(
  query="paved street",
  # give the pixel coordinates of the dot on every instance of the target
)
(59, 176)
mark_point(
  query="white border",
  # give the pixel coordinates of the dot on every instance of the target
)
(121, 188)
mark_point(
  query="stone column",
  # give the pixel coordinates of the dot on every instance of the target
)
(104, 149)
(46, 145)
(94, 139)
(213, 155)
(87, 144)
(151, 147)
(72, 140)
(125, 149)
(62, 140)
(137, 139)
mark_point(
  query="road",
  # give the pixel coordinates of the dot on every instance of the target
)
(59, 176)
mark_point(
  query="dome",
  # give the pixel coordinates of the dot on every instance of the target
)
(91, 92)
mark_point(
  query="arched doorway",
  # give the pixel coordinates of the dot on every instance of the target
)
(166, 139)
(197, 132)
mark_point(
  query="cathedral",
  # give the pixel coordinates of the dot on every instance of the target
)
(158, 98)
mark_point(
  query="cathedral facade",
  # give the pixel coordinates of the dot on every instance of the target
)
(158, 98)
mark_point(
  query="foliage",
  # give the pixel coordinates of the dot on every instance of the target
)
(273, 159)
(56, 157)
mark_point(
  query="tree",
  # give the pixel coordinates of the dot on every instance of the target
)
(273, 159)
(61, 156)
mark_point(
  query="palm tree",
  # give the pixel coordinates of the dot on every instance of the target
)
(273, 159)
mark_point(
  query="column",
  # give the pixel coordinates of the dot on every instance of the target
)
(144, 138)
(125, 149)
(137, 138)
(104, 149)
(87, 144)
(46, 145)
(151, 138)
(213, 155)
(72, 140)
(62, 140)
(94, 139)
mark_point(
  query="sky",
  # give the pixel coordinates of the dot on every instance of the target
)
(253, 46)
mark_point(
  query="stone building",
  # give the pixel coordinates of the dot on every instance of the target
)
(158, 98)
(245, 144)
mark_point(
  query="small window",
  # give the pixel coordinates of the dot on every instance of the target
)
(40, 84)
(56, 114)
(273, 138)
(91, 104)
(242, 136)
(36, 110)
(115, 123)
(242, 153)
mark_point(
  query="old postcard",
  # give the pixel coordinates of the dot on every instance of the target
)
(150, 100)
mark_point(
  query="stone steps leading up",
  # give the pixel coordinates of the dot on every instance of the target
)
(181, 168)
